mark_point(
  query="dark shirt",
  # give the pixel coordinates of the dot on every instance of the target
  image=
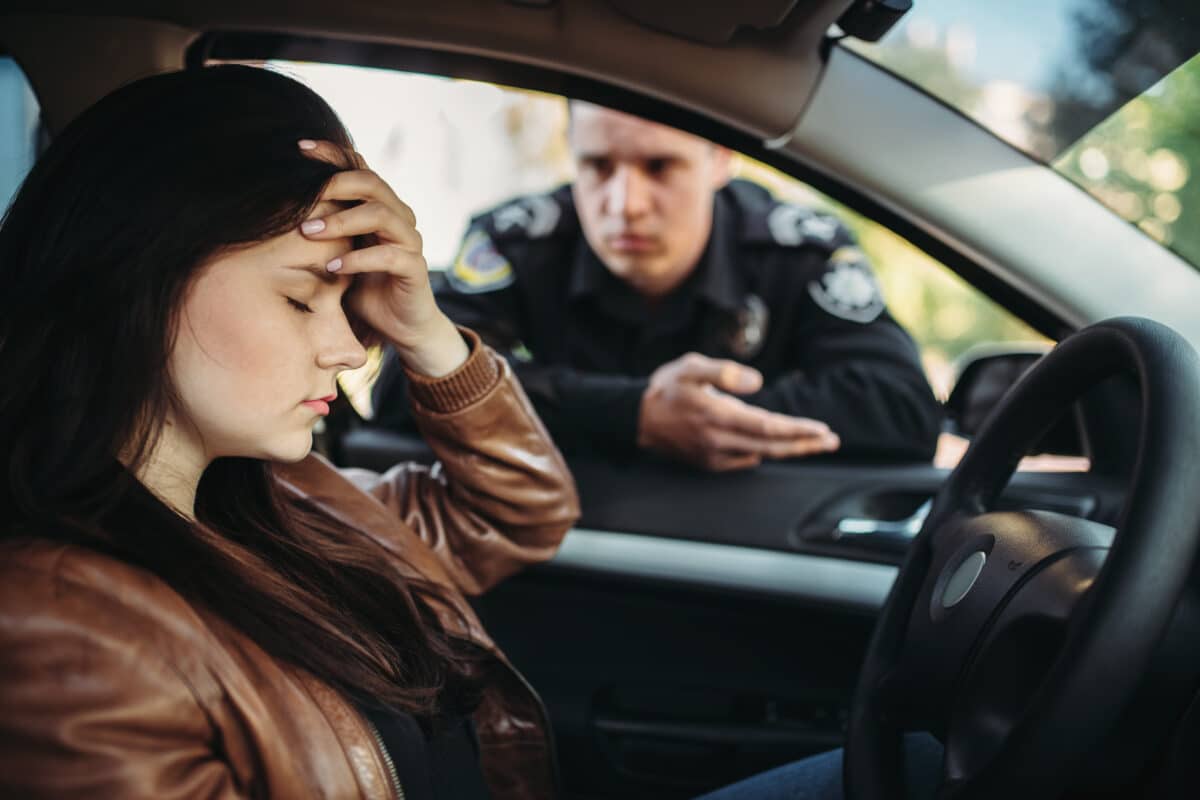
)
(778, 287)
(431, 765)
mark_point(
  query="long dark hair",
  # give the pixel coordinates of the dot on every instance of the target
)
(97, 251)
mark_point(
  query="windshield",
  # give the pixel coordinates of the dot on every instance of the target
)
(1104, 91)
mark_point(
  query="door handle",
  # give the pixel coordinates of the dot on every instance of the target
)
(882, 533)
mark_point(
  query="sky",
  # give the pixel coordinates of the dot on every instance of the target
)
(1018, 40)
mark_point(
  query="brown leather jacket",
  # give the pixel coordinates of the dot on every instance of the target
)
(113, 685)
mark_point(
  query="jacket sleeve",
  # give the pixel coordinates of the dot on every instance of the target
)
(500, 495)
(862, 378)
(91, 708)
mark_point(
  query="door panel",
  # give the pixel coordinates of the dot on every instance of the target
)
(662, 690)
(791, 506)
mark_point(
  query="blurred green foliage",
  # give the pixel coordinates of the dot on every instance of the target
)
(1142, 162)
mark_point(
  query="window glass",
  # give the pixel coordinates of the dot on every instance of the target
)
(18, 128)
(1105, 91)
(1038, 73)
(1143, 162)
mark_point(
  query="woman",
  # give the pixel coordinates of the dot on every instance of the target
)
(190, 603)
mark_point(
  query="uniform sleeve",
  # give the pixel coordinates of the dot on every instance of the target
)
(90, 709)
(586, 411)
(856, 369)
(501, 496)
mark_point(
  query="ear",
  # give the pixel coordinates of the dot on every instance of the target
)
(722, 166)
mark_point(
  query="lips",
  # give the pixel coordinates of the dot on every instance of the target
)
(320, 405)
(632, 243)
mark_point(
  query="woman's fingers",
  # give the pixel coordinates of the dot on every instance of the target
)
(364, 184)
(395, 260)
(356, 181)
(324, 150)
(380, 217)
(371, 217)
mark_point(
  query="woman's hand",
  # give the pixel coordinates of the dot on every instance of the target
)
(391, 292)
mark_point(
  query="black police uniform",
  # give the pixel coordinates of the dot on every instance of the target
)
(778, 287)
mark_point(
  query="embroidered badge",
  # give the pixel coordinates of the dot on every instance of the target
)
(480, 267)
(748, 337)
(537, 216)
(848, 288)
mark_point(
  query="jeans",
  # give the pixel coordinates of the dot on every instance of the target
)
(819, 777)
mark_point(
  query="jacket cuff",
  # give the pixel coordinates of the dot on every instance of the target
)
(468, 384)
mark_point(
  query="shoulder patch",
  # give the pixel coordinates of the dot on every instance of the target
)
(479, 267)
(791, 226)
(847, 289)
(535, 216)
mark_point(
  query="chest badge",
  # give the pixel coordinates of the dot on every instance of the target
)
(848, 289)
(750, 332)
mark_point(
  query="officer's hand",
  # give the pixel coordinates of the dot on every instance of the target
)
(391, 295)
(688, 412)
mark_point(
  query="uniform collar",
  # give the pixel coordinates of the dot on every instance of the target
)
(589, 276)
(718, 279)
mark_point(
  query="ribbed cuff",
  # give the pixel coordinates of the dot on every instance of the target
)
(468, 384)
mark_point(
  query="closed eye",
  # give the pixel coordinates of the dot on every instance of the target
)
(296, 304)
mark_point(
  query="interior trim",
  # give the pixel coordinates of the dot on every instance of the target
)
(855, 585)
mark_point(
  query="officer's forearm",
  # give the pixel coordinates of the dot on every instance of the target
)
(878, 409)
(583, 409)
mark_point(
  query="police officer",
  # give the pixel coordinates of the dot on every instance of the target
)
(656, 304)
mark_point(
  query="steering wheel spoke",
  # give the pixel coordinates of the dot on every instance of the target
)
(1012, 659)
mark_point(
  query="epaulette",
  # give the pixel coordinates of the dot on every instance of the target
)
(769, 222)
(534, 216)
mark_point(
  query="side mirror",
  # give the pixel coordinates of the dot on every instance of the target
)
(984, 375)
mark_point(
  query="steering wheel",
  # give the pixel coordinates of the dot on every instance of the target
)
(1020, 637)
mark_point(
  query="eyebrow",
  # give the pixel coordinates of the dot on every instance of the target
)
(601, 155)
(317, 271)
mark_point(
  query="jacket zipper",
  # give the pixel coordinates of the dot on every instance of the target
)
(387, 759)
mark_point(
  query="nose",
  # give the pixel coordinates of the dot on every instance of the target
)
(628, 192)
(340, 348)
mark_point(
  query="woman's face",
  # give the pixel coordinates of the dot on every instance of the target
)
(262, 337)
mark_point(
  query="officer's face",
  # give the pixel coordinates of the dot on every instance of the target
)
(644, 195)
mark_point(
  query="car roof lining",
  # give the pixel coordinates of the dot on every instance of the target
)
(714, 23)
(775, 69)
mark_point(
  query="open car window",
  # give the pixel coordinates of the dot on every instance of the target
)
(455, 148)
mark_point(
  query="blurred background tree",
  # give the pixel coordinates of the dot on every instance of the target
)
(1142, 162)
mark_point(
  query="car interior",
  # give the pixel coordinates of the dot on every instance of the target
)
(697, 628)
